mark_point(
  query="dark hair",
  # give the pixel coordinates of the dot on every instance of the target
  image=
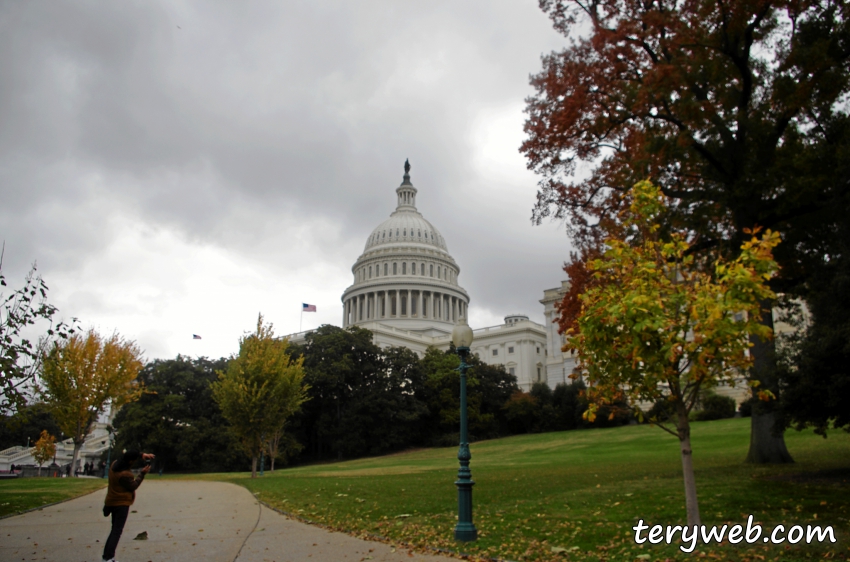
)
(126, 461)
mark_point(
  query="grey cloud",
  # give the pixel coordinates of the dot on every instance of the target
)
(253, 116)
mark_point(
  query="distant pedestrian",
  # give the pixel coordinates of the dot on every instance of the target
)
(120, 495)
(68, 470)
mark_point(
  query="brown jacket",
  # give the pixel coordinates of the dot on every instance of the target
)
(122, 487)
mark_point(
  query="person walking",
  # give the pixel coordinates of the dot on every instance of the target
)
(120, 495)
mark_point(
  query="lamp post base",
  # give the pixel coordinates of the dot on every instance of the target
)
(466, 532)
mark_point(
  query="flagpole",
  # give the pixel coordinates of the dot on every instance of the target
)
(300, 322)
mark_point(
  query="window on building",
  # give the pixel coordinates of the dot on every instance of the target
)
(392, 304)
(510, 350)
(385, 268)
(422, 269)
(395, 268)
(538, 350)
(413, 268)
(512, 371)
(404, 305)
(538, 374)
(370, 272)
(495, 352)
(438, 273)
(432, 270)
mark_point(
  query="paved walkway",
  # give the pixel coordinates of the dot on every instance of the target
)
(185, 521)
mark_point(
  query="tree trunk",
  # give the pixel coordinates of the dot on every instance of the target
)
(767, 440)
(76, 458)
(684, 430)
(253, 466)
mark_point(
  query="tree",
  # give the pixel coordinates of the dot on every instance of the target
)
(20, 358)
(26, 425)
(659, 326)
(736, 109)
(363, 400)
(44, 449)
(261, 388)
(83, 375)
(178, 419)
(816, 368)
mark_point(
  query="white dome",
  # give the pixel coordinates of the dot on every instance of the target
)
(405, 276)
(405, 227)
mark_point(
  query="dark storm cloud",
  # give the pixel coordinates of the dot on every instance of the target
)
(236, 123)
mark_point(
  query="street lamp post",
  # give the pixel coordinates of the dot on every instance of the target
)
(108, 456)
(465, 530)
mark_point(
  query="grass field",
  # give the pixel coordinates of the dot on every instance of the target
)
(21, 494)
(576, 495)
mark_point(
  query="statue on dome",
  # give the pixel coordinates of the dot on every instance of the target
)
(406, 167)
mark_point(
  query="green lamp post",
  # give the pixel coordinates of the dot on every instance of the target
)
(465, 530)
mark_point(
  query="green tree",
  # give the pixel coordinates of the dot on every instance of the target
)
(364, 400)
(82, 375)
(20, 356)
(816, 365)
(26, 425)
(736, 109)
(260, 390)
(178, 419)
(44, 449)
(658, 326)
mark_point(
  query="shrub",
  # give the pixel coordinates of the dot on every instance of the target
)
(715, 407)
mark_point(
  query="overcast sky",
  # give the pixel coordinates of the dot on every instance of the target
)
(177, 167)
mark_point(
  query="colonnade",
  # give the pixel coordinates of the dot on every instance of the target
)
(402, 303)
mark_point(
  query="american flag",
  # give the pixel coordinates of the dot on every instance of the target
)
(308, 307)
(196, 337)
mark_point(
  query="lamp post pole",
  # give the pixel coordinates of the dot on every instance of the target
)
(465, 530)
(108, 457)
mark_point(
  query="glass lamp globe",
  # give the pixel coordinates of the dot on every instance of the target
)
(462, 334)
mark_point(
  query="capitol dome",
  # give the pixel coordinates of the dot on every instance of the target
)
(405, 276)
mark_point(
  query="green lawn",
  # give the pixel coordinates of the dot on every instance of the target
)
(21, 494)
(581, 491)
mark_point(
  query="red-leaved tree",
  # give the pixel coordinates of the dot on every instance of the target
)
(738, 111)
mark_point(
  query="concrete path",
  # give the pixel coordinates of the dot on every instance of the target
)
(185, 521)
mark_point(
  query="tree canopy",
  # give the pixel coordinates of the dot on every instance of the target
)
(178, 419)
(738, 111)
(20, 356)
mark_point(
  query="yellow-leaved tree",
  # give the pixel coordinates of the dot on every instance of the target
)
(656, 326)
(261, 389)
(84, 374)
(44, 449)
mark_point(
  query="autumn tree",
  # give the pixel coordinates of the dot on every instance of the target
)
(44, 449)
(737, 110)
(85, 374)
(260, 390)
(658, 326)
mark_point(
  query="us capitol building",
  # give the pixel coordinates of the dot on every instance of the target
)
(406, 292)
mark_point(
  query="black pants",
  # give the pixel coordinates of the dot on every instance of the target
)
(119, 517)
